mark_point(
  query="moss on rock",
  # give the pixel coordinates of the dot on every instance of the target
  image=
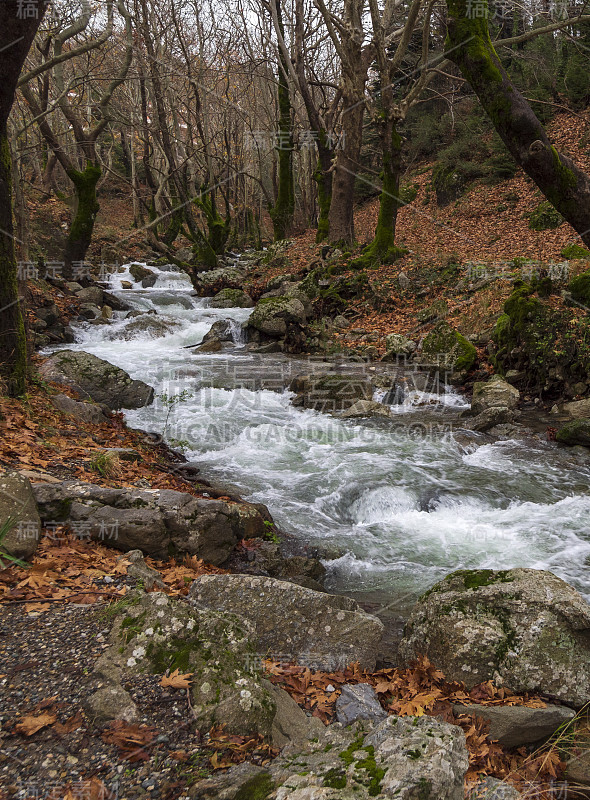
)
(446, 347)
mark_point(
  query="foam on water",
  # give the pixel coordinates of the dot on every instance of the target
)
(401, 510)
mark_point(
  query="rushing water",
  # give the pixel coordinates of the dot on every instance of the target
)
(398, 507)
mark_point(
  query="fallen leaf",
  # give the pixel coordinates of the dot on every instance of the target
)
(176, 680)
(30, 725)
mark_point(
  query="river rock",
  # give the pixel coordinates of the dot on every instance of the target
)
(96, 379)
(231, 298)
(87, 412)
(522, 628)
(138, 272)
(489, 418)
(92, 294)
(575, 432)
(358, 701)
(17, 503)
(155, 521)
(146, 325)
(330, 392)
(272, 315)
(138, 569)
(149, 281)
(513, 726)
(447, 349)
(298, 624)
(493, 789)
(398, 344)
(220, 331)
(579, 409)
(495, 393)
(212, 281)
(366, 408)
(155, 634)
(411, 759)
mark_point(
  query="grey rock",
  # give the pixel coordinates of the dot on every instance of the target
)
(111, 702)
(291, 725)
(340, 322)
(489, 418)
(358, 701)
(513, 726)
(145, 325)
(154, 520)
(17, 502)
(49, 314)
(149, 281)
(398, 344)
(138, 272)
(139, 570)
(271, 315)
(106, 312)
(302, 625)
(73, 286)
(87, 412)
(89, 311)
(231, 298)
(522, 628)
(96, 379)
(92, 294)
(494, 789)
(404, 281)
(495, 393)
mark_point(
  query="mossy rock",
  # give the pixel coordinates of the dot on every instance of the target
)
(232, 298)
(573, 251)
(447, 348)
(440, 308)
(139, 272)
(575, 432)
(272, 314)
(545, 217)
(157, 634)
(579, 289)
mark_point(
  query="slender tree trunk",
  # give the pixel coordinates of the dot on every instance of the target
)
(87, 208)
(282, 211)
(561, 181)
(382, 249)
(17, 34)
(323, 179)
(341, 215)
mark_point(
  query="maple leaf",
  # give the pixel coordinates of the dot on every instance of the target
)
(30, 725)
(176, 680)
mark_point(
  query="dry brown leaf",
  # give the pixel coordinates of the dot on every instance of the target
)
(176, 681)
(30, 725)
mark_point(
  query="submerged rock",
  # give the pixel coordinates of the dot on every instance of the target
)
(297, 624)
(96, 379)
(330, 392)
(366, 408)
(522, 628)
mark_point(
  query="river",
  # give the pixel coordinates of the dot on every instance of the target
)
(398, 504)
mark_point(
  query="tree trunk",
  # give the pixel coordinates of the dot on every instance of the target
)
(87, 208)
(18, 33)
(565, 185)
(341, 214)
(382, 249)
(323, 179)
(282, 211)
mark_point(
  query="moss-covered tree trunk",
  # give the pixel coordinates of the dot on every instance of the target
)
(382, 249)
(323, 179)
(18, 31)
(565, 185)
(13, 344)
(282, 211)
(86, 209)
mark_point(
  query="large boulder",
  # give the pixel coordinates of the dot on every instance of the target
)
(495, 393)
(330, 391)
(407, 758)
(447, 349)
(156, 521)
(96, 379)
(144, 326)
(17, 505)
(295, 623)
(231, 298)
(92, 294)
(578, 409)
(272, 315)
(138, 272)
(155, 634)
(522, 628)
